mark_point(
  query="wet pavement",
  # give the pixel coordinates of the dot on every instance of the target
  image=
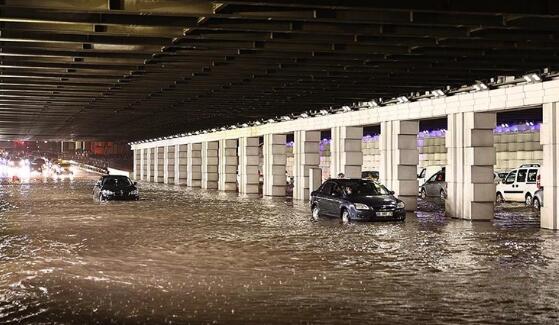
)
(192, 256)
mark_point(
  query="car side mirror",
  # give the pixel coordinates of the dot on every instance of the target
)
(135, 183)
(391, 192)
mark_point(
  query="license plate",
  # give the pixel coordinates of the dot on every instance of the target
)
(384, 213)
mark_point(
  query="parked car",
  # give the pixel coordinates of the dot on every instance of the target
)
(372, 175)
(356, 199)
(434, 186)
(115, 187)
(520, 185)
(537, 201)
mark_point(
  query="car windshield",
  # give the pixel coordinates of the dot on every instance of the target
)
(65, 165)
(117, 181)
(365, 188)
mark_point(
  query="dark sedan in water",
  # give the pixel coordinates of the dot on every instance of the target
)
(115, 187)
(356, 199)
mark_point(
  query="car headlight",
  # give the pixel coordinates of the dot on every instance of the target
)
(107, 192)
(134, 192)
(400, 205)
(361, 206)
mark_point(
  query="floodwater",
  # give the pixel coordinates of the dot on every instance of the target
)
(192, 256)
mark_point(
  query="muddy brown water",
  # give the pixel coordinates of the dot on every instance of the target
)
(192, 256)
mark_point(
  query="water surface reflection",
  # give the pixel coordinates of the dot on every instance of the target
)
(182, 255)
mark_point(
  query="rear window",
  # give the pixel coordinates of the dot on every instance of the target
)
(532, 176)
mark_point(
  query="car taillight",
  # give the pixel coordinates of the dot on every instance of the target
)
(538, 182)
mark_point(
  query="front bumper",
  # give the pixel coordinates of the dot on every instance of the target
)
(120, 197)
(371, 215)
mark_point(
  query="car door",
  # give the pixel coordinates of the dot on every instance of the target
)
(506, 187)
(532, 181)
(325, 199)
(431, 186)
(332, 200)
(519, 187)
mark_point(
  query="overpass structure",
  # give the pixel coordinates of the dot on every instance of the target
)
(207, 158)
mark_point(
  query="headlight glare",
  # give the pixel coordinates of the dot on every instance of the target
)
(107, 192)
(361, 206)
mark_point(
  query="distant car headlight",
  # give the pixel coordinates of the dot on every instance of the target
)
(107, 192)
(361, 206)
(400, 205)
(134, 192)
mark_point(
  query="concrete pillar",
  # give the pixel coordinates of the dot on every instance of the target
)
(181, 164)
(248, 165)
(143, 164)
(158, 168)
(136, 164)
(169, 164)
(149, 163)
(549, 138)
(209, 164)
(275, 159)
(469, 170)
(345, 151)
(228, 163)
(399, 158)
(194, 165)
(306, 154)
(315, 179)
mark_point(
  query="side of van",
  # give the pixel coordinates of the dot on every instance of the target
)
(519, 185)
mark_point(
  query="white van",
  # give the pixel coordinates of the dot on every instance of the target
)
(520, 184)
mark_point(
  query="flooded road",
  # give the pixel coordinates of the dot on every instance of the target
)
(189, 256)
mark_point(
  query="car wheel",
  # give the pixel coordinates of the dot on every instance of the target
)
(536, 203)
(345, 216)
(443, 195)
(528, 199)
(423, 194)
(499, 198)
(315, 212)
(101, 199)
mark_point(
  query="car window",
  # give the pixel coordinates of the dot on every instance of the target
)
(327, 188)
(532, 176)
(337, 190)
(433, 178)
(440, 177)
(511, 177)
(521, 178)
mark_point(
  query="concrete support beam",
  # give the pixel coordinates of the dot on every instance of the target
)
(194, 165)
(275, 161)
(143, 164)
(158, 165)
(136, 167)
(149, 164)
(399, 158)
(228, 163)
(549, 138)
(315, 179)
(306, 154)
(345, 150)
(248, 165)
(469, 170)
(169, 165)
(209, 164)
(181, 164)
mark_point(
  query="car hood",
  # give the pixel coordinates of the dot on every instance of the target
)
(375, 201)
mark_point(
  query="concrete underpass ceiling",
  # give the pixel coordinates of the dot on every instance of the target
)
(129, 69)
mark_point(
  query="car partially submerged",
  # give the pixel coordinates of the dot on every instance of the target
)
(356, 199)
(115, 187)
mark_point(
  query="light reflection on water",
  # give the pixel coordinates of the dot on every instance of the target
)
(182, 255)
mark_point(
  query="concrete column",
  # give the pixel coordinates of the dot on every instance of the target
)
(159, 166)
(228, 163)
(315, 179)
(169, 164)
(399, 158)
(248, 165)
(194, 165)
(274, 166)
(181, 164)
(549, 138)
(209, 164)
(345, 151)
(469, 170)
(306, 155)
(142, 164)
(149, 174)
(136, 164)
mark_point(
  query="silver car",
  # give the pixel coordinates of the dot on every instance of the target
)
(537, 201)
(434, 186)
